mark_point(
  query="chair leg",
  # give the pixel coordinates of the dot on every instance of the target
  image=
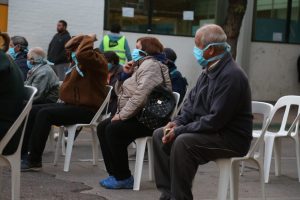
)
(277, 154)
(150, 159)
(59, 139)
(95, 146)
(63, 146)
(1, 182)
(140, 151)
(15, 180)
(70, 142)
(234, 180)
(269, 143)
(51, 139)
(242, 168)
(297, 146)
(224, 166)
(262, 182)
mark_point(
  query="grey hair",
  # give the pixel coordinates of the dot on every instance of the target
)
(19, 40)
(211, 33)
(38, 54)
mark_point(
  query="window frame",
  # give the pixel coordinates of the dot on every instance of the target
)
(287, 27)
(149, 25)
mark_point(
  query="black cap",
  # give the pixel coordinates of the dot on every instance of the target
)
(170, 54)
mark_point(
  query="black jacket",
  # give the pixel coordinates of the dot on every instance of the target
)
(220, 103)
(11, 92)
(56, 50)
(21, 61)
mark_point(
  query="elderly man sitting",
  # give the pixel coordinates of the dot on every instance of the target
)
(41, 76)
(215, 121)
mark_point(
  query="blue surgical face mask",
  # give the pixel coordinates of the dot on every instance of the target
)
(12, 52)
(136, 54)
(110, 66)
(198, 53)
(29, 64)
(73, 56)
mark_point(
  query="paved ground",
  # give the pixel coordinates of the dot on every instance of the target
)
(82, 180)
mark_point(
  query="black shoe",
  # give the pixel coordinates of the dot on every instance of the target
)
(165, 196)
(27, 166)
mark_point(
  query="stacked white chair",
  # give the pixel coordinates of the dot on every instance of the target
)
(140, 152)
(272, 139)
(72, 130)
(13, 160)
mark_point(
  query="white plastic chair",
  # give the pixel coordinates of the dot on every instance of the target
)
(140, 152)
(72, 129)
(13, 161)
(272, 139)
(229, 168)
(265, 110)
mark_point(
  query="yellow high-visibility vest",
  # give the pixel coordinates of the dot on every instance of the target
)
(117, 46)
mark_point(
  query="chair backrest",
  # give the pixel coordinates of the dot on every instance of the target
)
(287, 102)
(22, 119)
(182, 102)
(177, 97)
(264, 109)
(104, 105)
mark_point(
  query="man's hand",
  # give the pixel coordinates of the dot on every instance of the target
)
(169, 137)
(170, 125)
(116, 118)
(128, 67)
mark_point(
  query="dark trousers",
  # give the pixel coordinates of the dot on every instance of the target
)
(13, 144)
(114, 139)
(175, 170)
(42, 117)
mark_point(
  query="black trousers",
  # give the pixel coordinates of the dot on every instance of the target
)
(175, 170)
(40, 120)
(114, 139)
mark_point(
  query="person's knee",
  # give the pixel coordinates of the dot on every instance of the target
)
(102, 128)
(157, 135)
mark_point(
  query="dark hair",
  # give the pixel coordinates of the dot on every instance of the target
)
(170, 54)
(115, 28)
(151, 45)
(21, 41)
(6, 40)
(112, 57)
(65, 24)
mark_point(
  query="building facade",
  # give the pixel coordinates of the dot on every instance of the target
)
(268, 45)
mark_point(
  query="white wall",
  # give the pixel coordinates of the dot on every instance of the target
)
(273, 70)
(36, 19)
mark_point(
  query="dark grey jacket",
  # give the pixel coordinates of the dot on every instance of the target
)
(220, 103)
(45, 80)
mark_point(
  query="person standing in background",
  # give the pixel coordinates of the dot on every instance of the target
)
(116, 42)
(56, 50)
(18, 49)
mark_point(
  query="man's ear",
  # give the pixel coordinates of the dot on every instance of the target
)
(17, 48)
(211, 51)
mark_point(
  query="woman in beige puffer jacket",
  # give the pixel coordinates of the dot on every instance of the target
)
(135, 84)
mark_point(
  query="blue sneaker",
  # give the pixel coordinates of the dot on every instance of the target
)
(103, 181)
(122, 184)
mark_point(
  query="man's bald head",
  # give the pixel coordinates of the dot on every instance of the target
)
(36, 54)
(210, 33)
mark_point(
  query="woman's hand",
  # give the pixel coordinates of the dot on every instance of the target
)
(128, 67)
(116, 118)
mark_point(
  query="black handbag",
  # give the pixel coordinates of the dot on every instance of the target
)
(159, 107)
